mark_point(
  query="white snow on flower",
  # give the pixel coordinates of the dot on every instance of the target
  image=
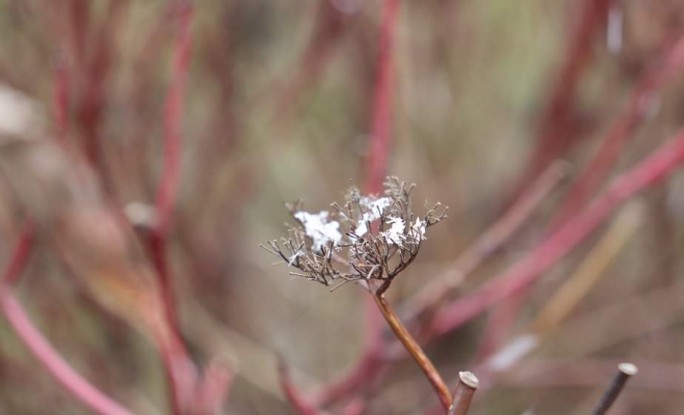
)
(375, 207)
(417, 230)
(319, 229)
(395, 234)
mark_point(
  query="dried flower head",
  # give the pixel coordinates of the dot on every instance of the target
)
(366, 238)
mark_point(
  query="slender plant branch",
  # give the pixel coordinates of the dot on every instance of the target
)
(298, 402)
(655, 168)
(80, 388)
(414, 350)
(381, 123)
(20, 256)
(624, 373)
(467, 385)
(177, 361)
(639, 106)
(55, 364)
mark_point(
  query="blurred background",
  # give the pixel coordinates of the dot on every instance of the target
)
(278, 104)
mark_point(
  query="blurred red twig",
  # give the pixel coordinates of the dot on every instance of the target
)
(179, 366)
(38, 345)
(297, 401)
(639, 104)
(594, 173)
(381, 122)
(556, 127)
(650, 171)
(53, 362)
(19, 257)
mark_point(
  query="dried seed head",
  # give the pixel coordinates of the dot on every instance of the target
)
(368, 237)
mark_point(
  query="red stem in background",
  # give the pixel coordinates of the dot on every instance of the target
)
(381, 124)
(649, 172)
(170, 177)
(298, 402)
(178, 365)
(53, 362)
(19, 257)
(639, 104)
(61, 98)
(622, 129)
(556, 129)
(38, 345)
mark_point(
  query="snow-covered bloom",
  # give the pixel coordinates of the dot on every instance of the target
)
(319, 229)
(375, 209)
(395, 233)
(319, 250)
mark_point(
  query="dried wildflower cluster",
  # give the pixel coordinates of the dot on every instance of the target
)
(367, 238)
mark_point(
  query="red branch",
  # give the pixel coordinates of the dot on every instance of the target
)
(61, 98)
(38, 345)
(638, 107)
(20, 256)
(170, 177)
(298, 402)
(381, 124)
(53, 362)
(179, 367)
(649, 172)
(556, 128)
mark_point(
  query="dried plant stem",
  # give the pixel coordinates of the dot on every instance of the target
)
(467, 385)
(650, 171)
(414, 350)
(624, 373)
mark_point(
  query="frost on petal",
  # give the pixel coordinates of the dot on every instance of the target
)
(319, 229)
(417, 230)
(395, 234)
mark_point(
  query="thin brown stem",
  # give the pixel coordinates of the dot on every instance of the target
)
(625, 372)
(414, 350)
(467, 385)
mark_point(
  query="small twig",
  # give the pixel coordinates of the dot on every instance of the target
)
(467, 385)
(638, 108)
(19, 257)
(178, 361)
(625, 372)
(299, 403)
(55, 364)
(414, 350)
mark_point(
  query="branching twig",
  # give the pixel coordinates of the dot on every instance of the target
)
(177, 361)
(298, 402)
